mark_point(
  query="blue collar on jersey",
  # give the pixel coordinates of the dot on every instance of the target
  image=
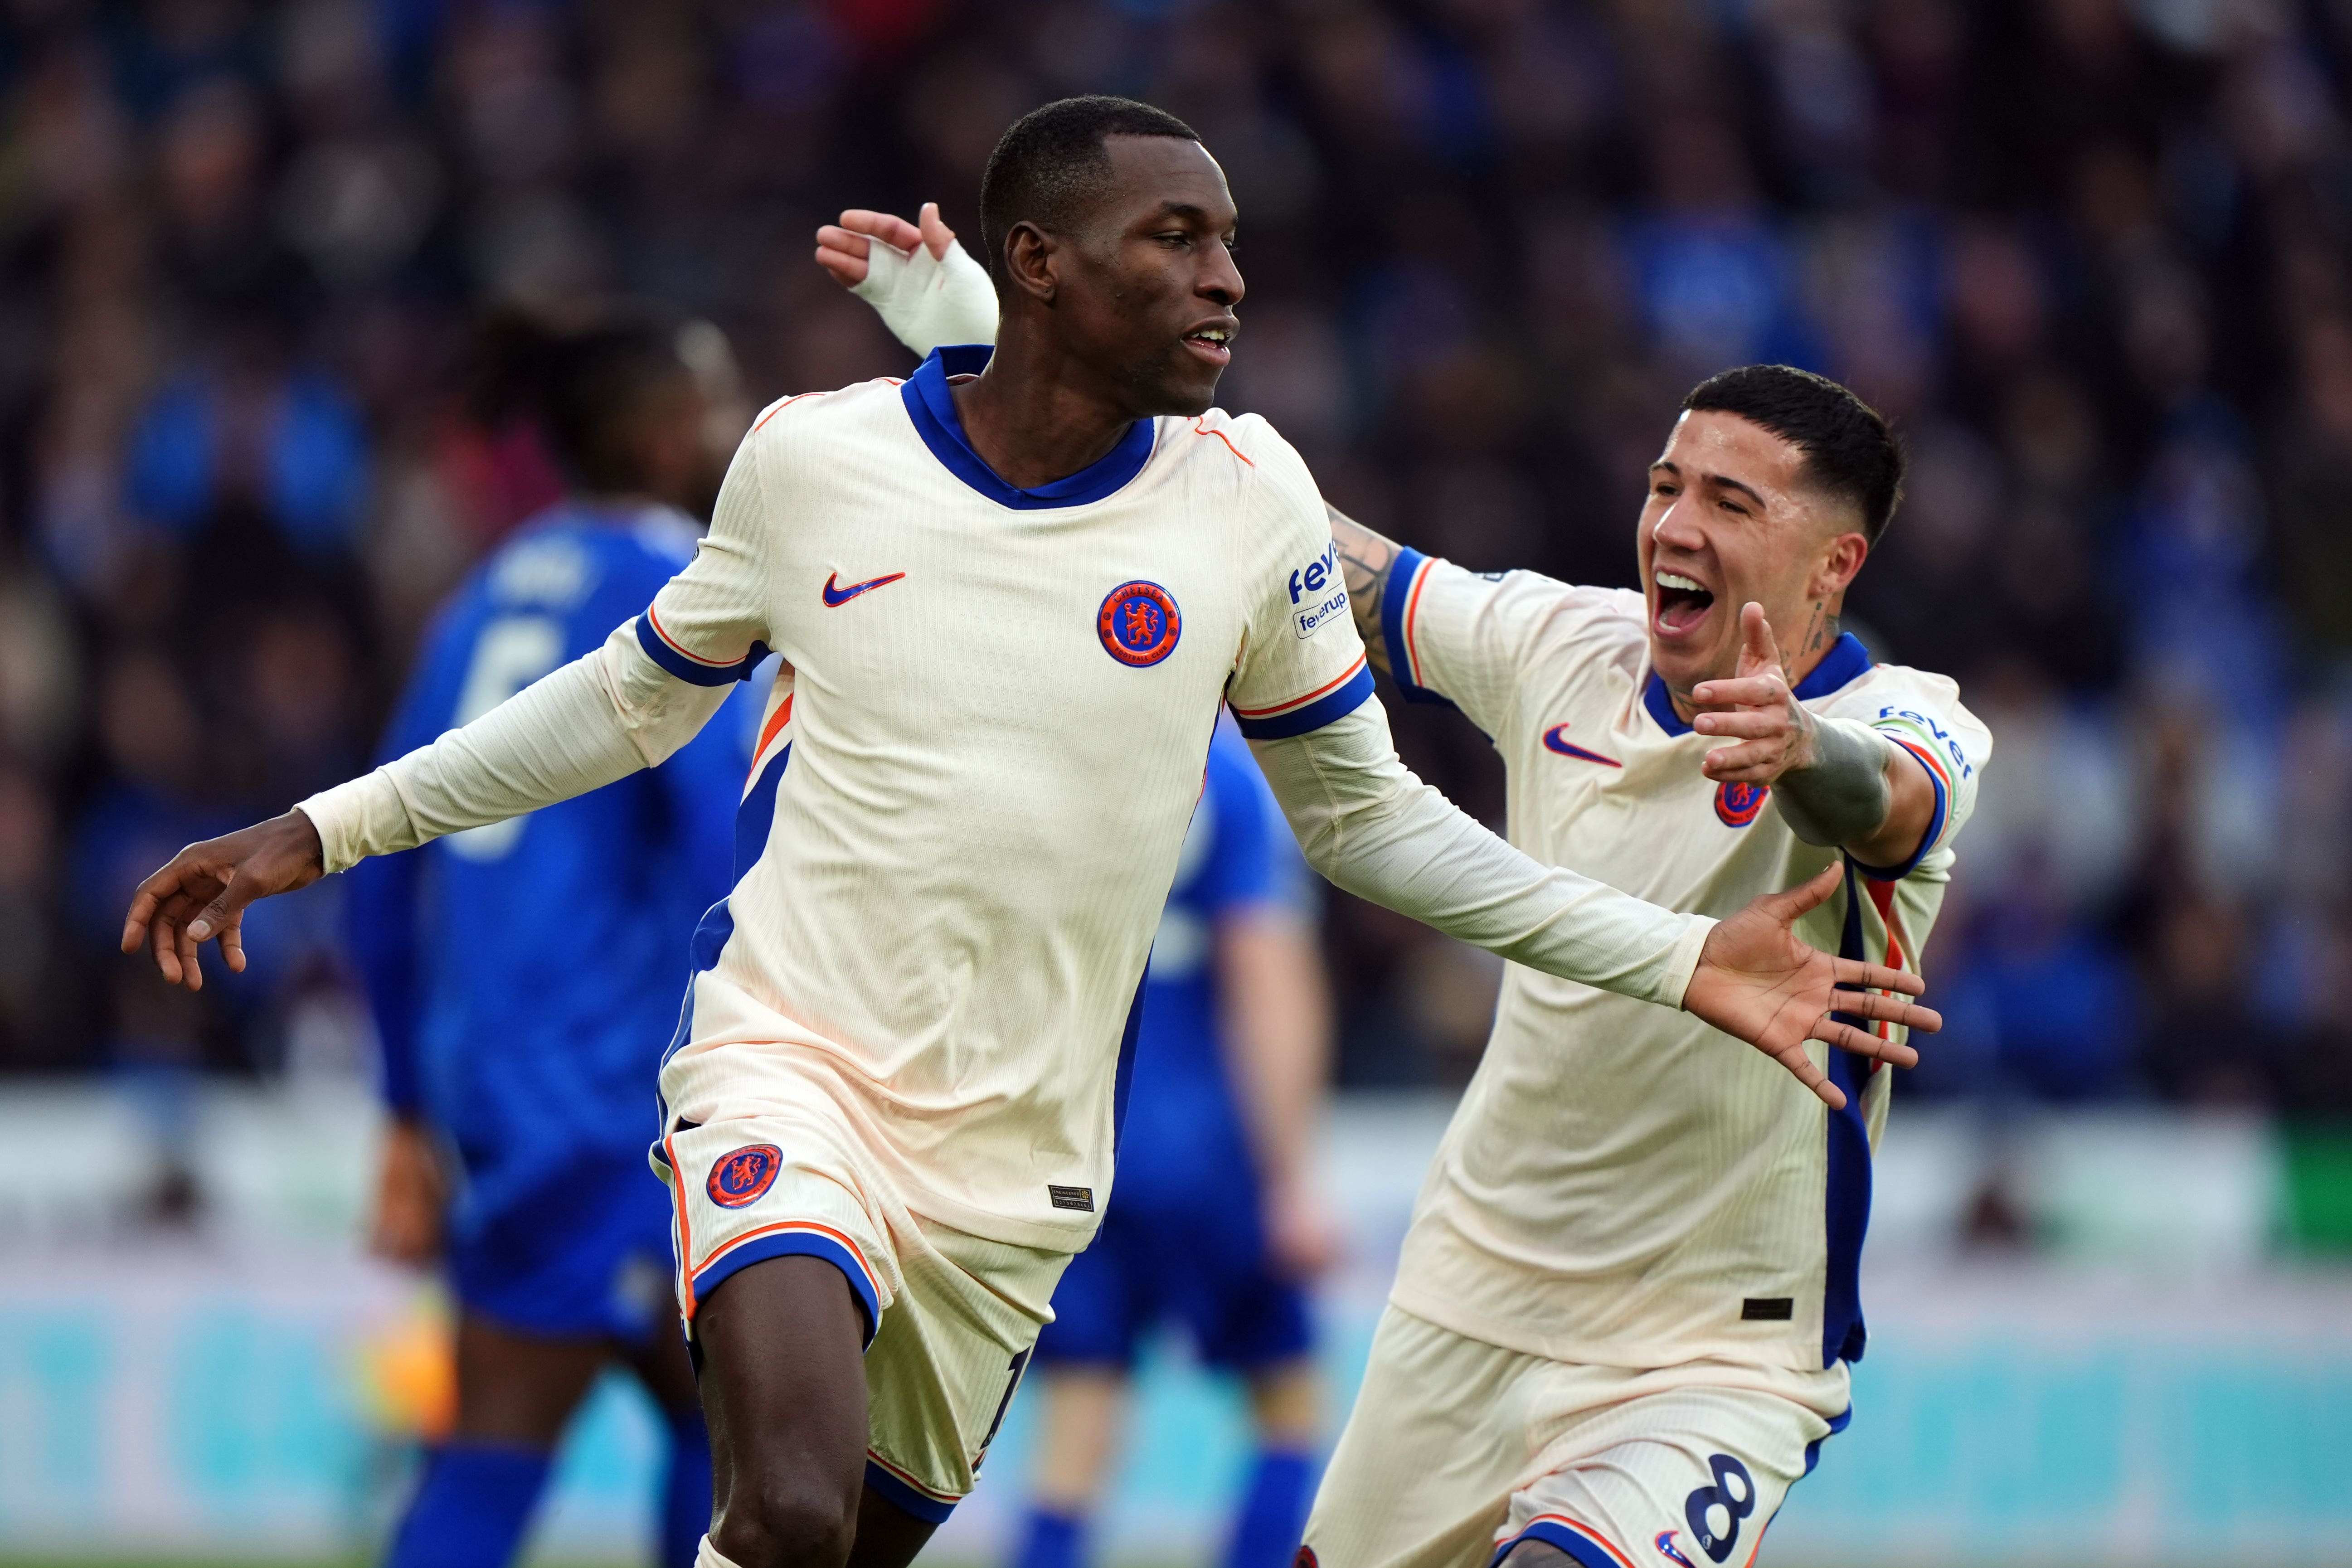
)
(1846, 660)
(933, 410)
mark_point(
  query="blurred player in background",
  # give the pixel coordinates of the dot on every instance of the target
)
(1216, 1224)
(524, 974)
(1625, 1308)
(1011, 594)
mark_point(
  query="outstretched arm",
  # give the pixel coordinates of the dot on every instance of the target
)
(594, 720)
(1367, 824)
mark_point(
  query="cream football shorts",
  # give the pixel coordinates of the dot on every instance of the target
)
(1457, 1451)
(950, 1318)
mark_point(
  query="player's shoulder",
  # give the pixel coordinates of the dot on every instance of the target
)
(1590, 620)
(802, 414)
(1904, 694)
(1247, 443)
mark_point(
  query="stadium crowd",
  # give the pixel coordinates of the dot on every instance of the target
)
(2095, 256)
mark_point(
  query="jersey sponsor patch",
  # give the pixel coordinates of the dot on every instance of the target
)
(740, 1178)
(1739, 803)
(1312, 618)
(1139, 623)
(1082, 1199)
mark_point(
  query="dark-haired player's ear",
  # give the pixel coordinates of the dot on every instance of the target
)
(1029, 261)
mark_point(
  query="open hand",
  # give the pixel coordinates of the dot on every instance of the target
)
(1756, 980)
(1777, 733)
(203, 893)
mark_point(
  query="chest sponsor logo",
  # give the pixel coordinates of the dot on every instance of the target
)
(740, 1178)
(1736, 804)
(836, 596)
(1139, 624)
(1556, 740)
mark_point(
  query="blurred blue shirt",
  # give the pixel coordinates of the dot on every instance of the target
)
(1183, 1141)
(526, 976)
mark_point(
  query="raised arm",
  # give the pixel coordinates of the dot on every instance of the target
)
(1374, 829)
(1839, 783)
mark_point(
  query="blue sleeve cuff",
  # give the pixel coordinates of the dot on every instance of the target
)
(1396, 603)
(1342, 697)
(677, 661)
(1926, 840)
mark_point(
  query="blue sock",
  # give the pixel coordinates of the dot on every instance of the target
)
(1272, 1513)
(685, 1491)
(471, 1508)
(1052, 1541)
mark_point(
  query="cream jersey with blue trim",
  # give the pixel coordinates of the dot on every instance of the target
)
(976, 770)
(1622, 1185)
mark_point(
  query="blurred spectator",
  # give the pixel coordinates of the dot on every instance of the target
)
(2089, 253)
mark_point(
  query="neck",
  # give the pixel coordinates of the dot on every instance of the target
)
(1821, 634)
(1038, 414)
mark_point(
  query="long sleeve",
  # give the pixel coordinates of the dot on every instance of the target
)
(598, 719)
(1374, 829)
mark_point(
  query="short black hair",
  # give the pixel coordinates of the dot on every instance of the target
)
(1052, 163)
(581, 385)
(1850, 449)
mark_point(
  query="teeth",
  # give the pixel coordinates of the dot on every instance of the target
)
(1214, 334)
(1670, 580)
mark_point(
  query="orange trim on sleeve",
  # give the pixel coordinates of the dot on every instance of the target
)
(685, 1230)
(1413, 608)
(781, 406)
(1342, 679)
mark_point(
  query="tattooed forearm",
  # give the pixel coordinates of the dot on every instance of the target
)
(1366, 560)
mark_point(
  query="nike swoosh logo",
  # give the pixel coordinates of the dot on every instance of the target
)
(1552, 743)
(834, 597)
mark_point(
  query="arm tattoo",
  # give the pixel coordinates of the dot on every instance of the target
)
(1845, 795)
(1365, 560)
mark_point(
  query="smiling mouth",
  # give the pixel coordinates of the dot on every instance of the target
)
(1683, 603)
(1212, 344)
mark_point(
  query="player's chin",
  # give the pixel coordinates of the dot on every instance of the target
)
(1182, 382)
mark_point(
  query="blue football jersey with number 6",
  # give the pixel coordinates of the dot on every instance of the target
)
(525, 975)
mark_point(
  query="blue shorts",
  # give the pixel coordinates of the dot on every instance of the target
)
(586, 1257)
(1203, 1266)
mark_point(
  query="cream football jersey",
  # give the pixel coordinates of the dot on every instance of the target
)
(1622, 1185)
(976, 770)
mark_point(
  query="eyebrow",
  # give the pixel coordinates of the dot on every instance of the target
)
(1185, 210)
(1726, 480)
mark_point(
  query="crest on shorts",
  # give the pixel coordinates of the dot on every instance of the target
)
(1139, 624)
(740, 1178)
(1737, 803)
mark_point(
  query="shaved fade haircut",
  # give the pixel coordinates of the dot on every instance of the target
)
(1850, 452)
(1052, 166)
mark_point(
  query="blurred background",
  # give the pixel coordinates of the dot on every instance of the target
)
(2094, 256)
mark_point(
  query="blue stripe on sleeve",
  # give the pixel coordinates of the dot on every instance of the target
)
(1336, 704)
(1927, 839)
(1403, 574)
(686, 670)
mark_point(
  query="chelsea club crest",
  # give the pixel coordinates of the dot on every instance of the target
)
(1139, 624)
(1739, 803)
(740, 1178)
